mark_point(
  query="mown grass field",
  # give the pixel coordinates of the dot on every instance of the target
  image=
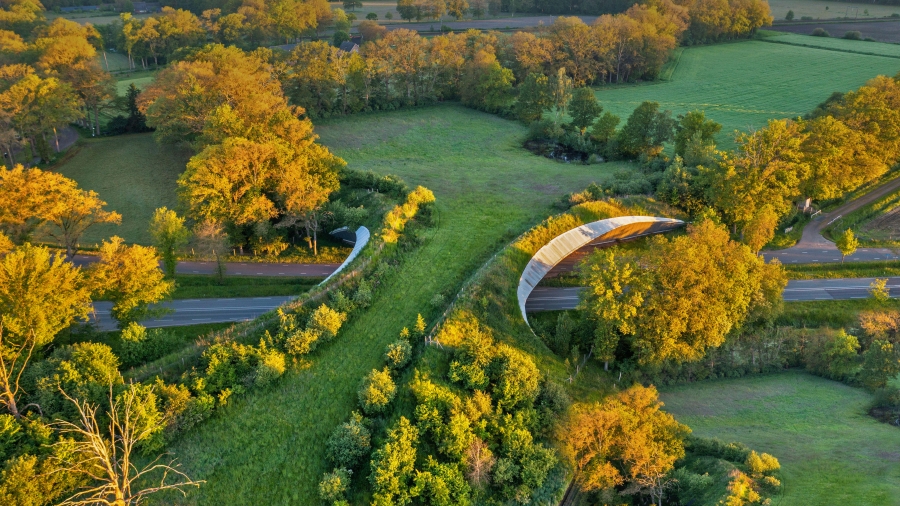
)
(488, 190)
(743, 85)
(133, 174)
(830, 451)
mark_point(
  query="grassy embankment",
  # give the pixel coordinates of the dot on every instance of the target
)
(831, 452)
(488, 190)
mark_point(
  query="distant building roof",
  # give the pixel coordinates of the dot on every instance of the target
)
(349, 47)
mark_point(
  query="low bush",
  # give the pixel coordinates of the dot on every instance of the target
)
(377, 391)
(350, 443)
(853, 35)
(820, 32)
(398, 354)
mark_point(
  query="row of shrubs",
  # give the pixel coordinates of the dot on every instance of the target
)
(350, 444)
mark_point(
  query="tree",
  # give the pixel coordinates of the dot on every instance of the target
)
(105, 455)
(789, 16)
(880, 363)
(691, 124)
(393, 466)
(457, 8)
(371, 30)
(40, 294)
(408, 10)
(169, 234)
(334, 485)
(534, 98)
(478, 8)
(349, 444)
(13, 361)
(614, 296)
(761, 228)
(136, 121)
(604, 128)
(625, 439)
(560, 94)
(486, 85)
(646, 130)
(879, 291)
(377, 391)
(702, 286)
(80, 210)
(339, 38)
(584, 108)
(130, 277)
(846, 243)
(352, 5)
(39, 107)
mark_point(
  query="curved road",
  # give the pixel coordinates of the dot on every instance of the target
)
(813, 247)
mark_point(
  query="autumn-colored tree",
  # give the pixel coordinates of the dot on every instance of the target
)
(393, 465)
(693, 291)
(183, 97)
(486, 84)
(39, 107)
(760, 229)
(767, 170)
(614, 296)
(169, 234)
(79, 210)
(846, 243)
(625, 439)
(129, 276)
(371, 30)
(40, 295)
(457, 8)
(839, 158)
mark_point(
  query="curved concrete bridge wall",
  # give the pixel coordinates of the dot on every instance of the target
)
(362, 238)
(567, 243)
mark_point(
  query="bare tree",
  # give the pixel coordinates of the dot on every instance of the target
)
(13, 360)
(479, 461)
(105, 456)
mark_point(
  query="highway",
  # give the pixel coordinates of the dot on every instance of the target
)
(196, 311)
(557, 299)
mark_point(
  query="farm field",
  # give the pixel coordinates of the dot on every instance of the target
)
(831, 452)
(488, 190)
(883, 31)
(817, 9)
(836, 44)
(734, 83)
(133, 174)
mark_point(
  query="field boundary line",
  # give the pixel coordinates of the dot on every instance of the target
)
(896, 57)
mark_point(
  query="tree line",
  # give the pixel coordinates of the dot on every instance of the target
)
(400, 68)
(49, 77)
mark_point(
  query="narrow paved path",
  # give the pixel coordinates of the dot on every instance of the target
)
(813, 247)
(240, 268)
(558, 299)
(197, 311)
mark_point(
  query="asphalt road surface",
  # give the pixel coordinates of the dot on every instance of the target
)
(197, 311)
(557, 299)
(241, 269)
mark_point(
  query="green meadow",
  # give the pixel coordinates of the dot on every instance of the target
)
(831, 451)
(735, 84)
